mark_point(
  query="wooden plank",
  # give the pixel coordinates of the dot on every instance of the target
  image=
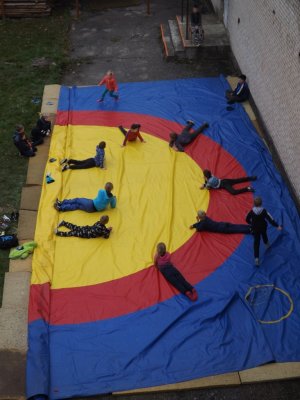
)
(270, 372)
(230, 379)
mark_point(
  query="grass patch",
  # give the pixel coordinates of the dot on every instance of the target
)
(21, 42)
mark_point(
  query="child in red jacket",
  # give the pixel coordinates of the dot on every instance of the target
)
(110, 86)
(162, 261)
(132, 134)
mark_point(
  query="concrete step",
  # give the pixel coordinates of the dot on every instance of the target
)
(176, 38)
(12, 375)
(16, 290)
(169, 51)
(26, 225)
(13, 328)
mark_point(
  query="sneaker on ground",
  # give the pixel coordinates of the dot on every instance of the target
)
(65, 160)
(58, 202)
(57, 207)
(190, 122)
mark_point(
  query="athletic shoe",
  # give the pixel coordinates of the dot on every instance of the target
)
(256, 261)
(250, 189)
(65, 160)
(58, 202)
(190, 122)
(65, 167)
(192, 294)
(57, 207)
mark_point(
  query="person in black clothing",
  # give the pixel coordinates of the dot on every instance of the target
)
(196, 25)
(162, 262)
(240, 93)
(258, 218)
(87, 232)
(42, 129)
(178, 142)
(212, 182)
(206, 224)
(23, 144)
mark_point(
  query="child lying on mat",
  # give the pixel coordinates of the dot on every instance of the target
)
(97, 161)
(162, 261)
(87, 232)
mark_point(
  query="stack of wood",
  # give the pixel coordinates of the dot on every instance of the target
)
(24, 8)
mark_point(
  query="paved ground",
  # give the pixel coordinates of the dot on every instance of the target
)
(127, 41)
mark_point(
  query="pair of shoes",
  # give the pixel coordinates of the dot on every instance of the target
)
(58, 202)
(250, 189)
(65, 167)
(63, 161)
(192, 294)
(100, 101)
(190, 122)
(14, 216)
(256, 261)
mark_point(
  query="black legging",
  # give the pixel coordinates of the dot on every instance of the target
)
(257, 241)
(83, 164)
(186, 137)
(173, 276)
(227, 184)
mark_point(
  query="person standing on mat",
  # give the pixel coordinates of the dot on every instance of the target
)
(111, 86)
(132, 134)
(258, 218)
(206, 224)
(86, 232)
(212, 182)
(162, 261)
(100, 203)
(178, 142)
(97, 161)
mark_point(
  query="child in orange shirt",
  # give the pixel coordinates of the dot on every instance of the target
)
(110, 86)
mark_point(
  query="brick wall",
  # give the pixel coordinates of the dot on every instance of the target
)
(266, 44)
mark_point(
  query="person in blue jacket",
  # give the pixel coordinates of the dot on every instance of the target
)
(240, 93)
(97, 161)
(204, 223)
(100, 203)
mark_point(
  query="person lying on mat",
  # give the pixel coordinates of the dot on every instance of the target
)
(97, 161)
(100, 203)
(162, 261)
(87, 232)
(212, 182)
(204, 223)
(179, 141)
(132, 134)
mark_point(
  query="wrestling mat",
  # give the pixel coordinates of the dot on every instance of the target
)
(101, 317)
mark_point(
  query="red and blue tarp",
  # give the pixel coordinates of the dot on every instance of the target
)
(98, 326)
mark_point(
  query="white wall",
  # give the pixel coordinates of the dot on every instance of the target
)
(266, 44)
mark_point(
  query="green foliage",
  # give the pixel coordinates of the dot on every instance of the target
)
(25, 43)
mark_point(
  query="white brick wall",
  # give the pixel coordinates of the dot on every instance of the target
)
(266, 44)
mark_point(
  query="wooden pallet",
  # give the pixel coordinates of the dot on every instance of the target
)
(24, 8)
